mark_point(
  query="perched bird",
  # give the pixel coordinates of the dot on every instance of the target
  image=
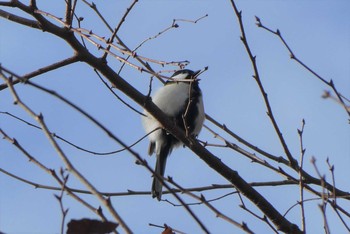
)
(180, 99)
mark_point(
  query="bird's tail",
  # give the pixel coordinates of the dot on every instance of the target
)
(160, 169)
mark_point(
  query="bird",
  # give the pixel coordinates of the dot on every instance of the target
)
(180, 99)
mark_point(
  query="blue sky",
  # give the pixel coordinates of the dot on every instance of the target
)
(318, 33)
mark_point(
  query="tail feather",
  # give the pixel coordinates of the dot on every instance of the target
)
(160, 169)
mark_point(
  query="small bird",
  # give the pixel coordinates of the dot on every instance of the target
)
(180, 99)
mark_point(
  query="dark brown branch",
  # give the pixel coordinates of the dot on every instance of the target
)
(40, 71)
(7, 3)
(68, 16)
(20, 20)
(39, 118)
(212, 161)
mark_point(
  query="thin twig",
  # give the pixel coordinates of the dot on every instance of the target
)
(93, 190)
(20, 20)
(110, 40)
(192, 21)
(264, 218)
(301, 179)
(77, 146)
(39, 118)
(328, 95)
(329, 83)
(307, 177)
(219, 214)
(167, 227)
(143, 193)
(40, 71)
(60, 199)
(323, 205)
(94, 7)
(224, 127)
(181, 64)
(292, 161)
(116, 95)
(51, 172)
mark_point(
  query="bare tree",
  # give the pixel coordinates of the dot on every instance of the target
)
(115, 63)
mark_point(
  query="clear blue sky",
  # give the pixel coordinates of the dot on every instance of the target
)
(317, 31)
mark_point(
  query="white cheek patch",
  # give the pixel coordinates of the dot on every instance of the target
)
(180, 76)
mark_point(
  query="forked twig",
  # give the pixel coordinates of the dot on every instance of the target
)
(40, 119)
(93, 190)
(292, 161)
(329, 83)
(323, 205)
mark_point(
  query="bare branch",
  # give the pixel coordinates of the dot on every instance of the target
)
(75, 145)
(110, 40)
(301, 181)
(60, 198)
(68, 16)
(245, 142)
(94, 7)
(323, 205)
(114, 93)
(293, 162)
(167, 229)
(20, 20)
(143, 193)
(63, 29)
(39, 71)
(93, 190)
(329, 83)
(39, 118)
(50, 172)
(219, 214)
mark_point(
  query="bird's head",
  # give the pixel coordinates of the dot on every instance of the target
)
(185, 75)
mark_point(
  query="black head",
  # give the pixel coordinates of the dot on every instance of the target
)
(185, 74)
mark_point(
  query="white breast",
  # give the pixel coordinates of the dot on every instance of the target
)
(172, 97)
(170, 100)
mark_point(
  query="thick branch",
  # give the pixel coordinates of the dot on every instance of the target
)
(214, 162)
(20, 20)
